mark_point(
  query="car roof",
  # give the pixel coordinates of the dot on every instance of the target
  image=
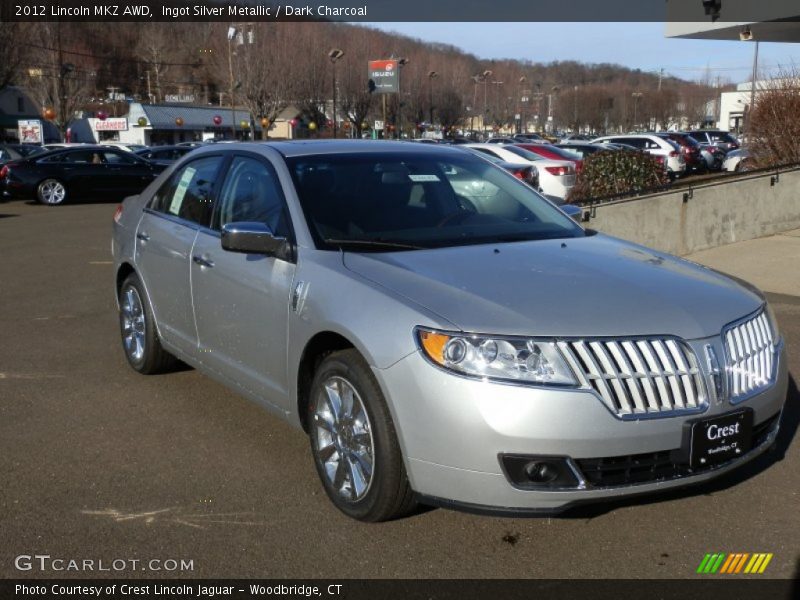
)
(296, 148)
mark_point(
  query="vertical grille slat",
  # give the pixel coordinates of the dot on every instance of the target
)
(646, 382)
(622, 396)
(750, 350)
(639, 377)
(670, 370)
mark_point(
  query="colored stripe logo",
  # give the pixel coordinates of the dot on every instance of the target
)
(733, 564)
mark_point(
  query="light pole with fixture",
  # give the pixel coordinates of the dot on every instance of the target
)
(636, 96)
(401, 62)
(431, 76)
(335, 54)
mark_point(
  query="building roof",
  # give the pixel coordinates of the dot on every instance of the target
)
(162, 116)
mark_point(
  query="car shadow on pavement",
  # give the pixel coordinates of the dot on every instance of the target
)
(790, 421)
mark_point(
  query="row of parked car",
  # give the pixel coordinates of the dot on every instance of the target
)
(55, 172)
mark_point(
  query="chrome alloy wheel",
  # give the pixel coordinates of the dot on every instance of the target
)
(344, 443)
(53, 192)
(133, 325)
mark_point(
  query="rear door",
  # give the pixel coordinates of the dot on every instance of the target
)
(127, 173)
(241, 301)
(164, 241)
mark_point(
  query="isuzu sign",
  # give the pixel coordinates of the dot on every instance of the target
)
(385, 75)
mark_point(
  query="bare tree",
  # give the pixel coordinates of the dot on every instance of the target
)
(12, 51)
(263, 71)
(60, 80)
(773, 131)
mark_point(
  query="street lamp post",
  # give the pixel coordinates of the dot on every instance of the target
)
(520, 105)
(431, 76)
(636, 96)
(335, 54)
(401, 62)
(550, 112)
(575, 108)
(485, 77)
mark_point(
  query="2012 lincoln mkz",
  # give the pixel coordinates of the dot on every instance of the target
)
(441, 332)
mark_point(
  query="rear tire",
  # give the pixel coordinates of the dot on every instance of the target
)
(138, 328)
(353, 441)
(51, 192)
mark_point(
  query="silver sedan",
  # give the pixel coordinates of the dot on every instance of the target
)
(441, 332)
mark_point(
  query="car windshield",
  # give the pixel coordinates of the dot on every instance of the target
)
(406, 201)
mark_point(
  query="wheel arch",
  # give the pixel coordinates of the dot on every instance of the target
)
(316, 349)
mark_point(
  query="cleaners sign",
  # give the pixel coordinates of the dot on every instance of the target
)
(385, 76)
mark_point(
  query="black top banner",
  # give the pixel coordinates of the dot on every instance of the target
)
(364, 11)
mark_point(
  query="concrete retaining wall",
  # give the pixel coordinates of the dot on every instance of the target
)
(713, 215)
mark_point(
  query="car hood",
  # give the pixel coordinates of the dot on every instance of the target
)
(582, 287)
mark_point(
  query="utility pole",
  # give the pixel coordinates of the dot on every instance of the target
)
(660, 77)
(231, 35)
(752, 91)
(335, 54)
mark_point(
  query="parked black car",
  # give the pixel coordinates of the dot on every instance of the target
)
(9, 152)
(721, 139)
(80, 172)
(163, 155)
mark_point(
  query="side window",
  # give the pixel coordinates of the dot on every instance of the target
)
(82, 157)
(117, 158)
(251, 193)
(187, 194)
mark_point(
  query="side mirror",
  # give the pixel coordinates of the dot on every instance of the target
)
(251, 238)
(572, 211)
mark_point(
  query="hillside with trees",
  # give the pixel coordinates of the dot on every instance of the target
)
(74, 67)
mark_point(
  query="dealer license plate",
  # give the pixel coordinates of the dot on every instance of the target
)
(721, 438)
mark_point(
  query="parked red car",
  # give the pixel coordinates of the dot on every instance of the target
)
(554, 153)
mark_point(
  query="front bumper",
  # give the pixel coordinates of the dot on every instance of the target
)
(452, 431)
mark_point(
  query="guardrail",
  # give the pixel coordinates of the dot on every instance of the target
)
(712, 213)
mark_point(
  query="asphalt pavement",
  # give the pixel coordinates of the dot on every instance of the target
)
(100, 463)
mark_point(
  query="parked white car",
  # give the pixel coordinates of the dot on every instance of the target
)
(738, 160)
(556, 177)
(652, 144)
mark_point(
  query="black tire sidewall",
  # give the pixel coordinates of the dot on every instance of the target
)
(387, 459)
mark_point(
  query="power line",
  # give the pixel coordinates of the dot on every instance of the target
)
(128, 60)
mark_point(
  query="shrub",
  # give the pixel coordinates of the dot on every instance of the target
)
(774, 129)
(611, 173)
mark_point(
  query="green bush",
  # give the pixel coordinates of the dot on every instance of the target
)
(611, 173)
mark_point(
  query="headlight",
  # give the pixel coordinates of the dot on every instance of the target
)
(522, 360)
(773, 324)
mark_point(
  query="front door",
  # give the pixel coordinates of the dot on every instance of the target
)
(241, 301)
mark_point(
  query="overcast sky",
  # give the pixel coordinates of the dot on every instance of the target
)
(635, 45)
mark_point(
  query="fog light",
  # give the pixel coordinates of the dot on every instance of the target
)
(541, 472)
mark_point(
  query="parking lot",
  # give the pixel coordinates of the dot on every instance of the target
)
(102, 463)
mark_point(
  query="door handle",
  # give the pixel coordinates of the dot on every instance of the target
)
(203, 262)
(142, 236)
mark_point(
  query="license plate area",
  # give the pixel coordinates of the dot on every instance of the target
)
(720, 439)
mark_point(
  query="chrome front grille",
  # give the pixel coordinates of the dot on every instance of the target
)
(751, 357)
(639, 378)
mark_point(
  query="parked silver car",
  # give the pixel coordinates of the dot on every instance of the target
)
(442, 332)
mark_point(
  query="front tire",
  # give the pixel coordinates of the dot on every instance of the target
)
(139, 336)
(354, 443)
(51, 192)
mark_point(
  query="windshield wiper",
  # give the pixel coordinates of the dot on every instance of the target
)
(373, 244)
